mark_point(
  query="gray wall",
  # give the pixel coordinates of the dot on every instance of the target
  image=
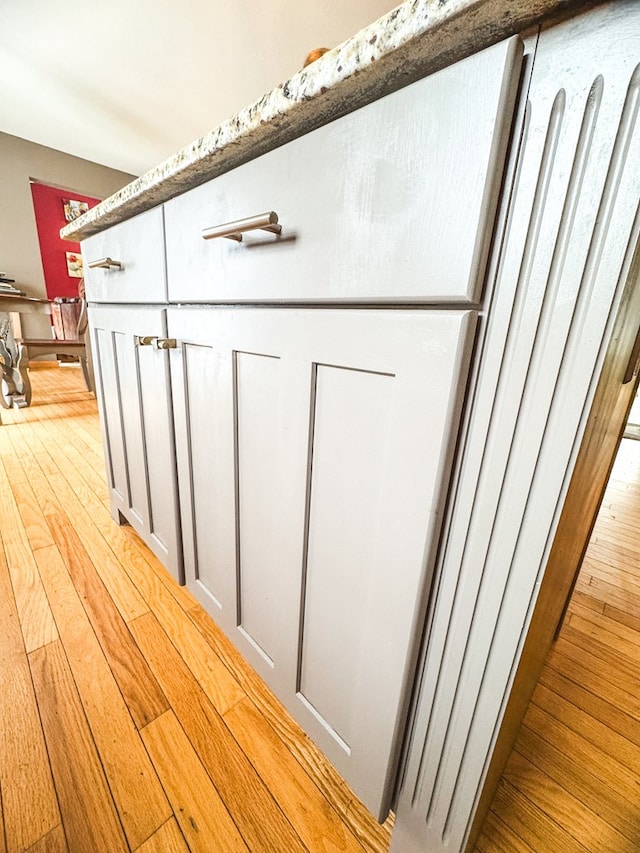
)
(21, 160)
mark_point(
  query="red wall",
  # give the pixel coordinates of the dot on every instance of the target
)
(47, 204)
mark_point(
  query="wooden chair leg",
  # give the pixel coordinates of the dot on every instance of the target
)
(23, 383)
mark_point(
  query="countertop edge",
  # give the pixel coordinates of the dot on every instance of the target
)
(415, 39)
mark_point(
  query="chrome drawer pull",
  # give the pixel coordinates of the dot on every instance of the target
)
(144, 340)
(105, 264)
(165, 343)
(234, 230)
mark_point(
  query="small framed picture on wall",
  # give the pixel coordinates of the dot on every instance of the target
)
(74, 265)
(74, 208)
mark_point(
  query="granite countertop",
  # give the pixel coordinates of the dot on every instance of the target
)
(415, 39)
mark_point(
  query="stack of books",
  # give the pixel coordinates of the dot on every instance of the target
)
(6, 286)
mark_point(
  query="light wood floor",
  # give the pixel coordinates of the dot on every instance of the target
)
(127, 722)
(573, 781)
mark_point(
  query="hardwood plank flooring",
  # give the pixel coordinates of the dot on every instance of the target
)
(108, 659)
(29, 805)
(140, 728)
(573, 779)
(197, 805)
(138, 795)
(168, 839)
(81, 785)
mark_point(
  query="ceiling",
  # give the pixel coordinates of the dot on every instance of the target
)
(126, 83)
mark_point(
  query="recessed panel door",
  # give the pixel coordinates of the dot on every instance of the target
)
(134, 399)
(313, 453)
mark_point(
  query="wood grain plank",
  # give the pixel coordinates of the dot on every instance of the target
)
(168, 839)
(585, 599)
(53, 842)
(590, 830)
(373, 836)
(80, 783)
(622, 781)
(616, 663)
(319, 826)
(531, 823)
(33, 519)
(89, 425)
(40, 452)
(626, 752)
(591, 703)
(123, 592)
(607, 551)
(606, 548)
(138, 795)
(262, 826)
(15, 471)
(57, 433)
(574, 778)
(624, 574)
(78, 445)
(609, 670)
(44, 494)
(36, 619)
(213, 676)
(622, 539)
(607, 631)
(29, 805)
(618, 594)
(136, 588)
(498, 837)
(139, 688)
(586, 677)
(134, 544)
(619, 511)
(88, 437)
(616, 511)
(628, 619)
(200, 811)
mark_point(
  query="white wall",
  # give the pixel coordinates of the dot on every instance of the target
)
(19, 249)
(130, 83)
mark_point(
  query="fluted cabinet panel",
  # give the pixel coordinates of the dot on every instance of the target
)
(570, 233)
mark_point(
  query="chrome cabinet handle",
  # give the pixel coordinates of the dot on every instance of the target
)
(105, 264)
(165, 343)
(234, 230)
(143, 340)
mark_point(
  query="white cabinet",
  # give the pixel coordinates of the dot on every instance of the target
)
(312, 445)
(135, 407)
(391, 203)
(313, 453)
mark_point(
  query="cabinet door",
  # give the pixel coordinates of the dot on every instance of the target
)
(313, 454)
(134, 401)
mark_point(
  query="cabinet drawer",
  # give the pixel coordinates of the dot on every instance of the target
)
(393, 202)
(137, 246)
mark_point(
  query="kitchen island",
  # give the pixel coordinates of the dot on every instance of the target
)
(348, 346)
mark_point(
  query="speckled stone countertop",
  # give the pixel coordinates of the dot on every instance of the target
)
(415, 39)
